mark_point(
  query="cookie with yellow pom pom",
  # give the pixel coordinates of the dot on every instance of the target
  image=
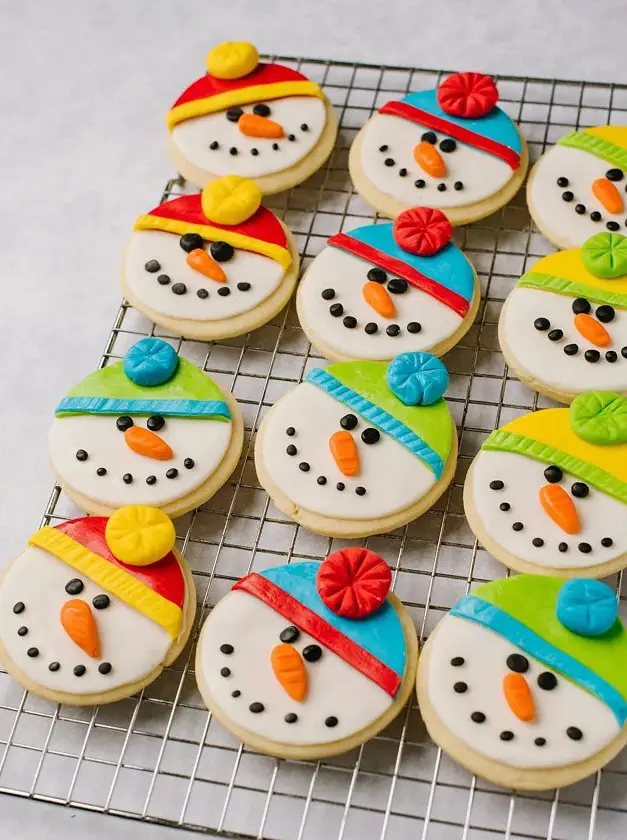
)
(247, 117)
(95, 608)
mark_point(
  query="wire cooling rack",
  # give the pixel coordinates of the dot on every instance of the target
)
(159, 756)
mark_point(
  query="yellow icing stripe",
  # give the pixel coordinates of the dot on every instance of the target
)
(237, 240)
(239, 96)
(568, 264)
(613, 133)
(112, 578)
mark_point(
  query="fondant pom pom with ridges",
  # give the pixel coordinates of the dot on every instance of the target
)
(150, 362)
(468, 95)
(417, 378)
(353, 582)
(587, 607)
(422, 230)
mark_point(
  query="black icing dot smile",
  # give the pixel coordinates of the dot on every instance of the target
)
(259, 109)
(614, 174)
(445, 145)
(369, 436)
(604, 313)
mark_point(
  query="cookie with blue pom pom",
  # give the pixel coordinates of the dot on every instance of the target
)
(360, 447)
(152, 429)
(380, 290)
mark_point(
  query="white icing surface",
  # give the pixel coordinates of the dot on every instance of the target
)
(346, 273)
(204, 441)
(133, 644)
(599, 515)
(263, 274)
(485, 654)
(335, 688)
(394, 478)
(194, 136)
(545, 360)
(482, 174)
(559, 216)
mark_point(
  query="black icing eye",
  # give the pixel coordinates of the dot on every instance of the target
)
(348, 422)
(312, 653)
(191, 241)
(74, 586)
(614, 175)
(222, 251)
(155, 422)
(233, 114)
(377, 274)
(370, 436)
(290, 634)
(261, 109)
(581, 305)
(547, 681)
(517, 662)
(397, 286)
(605, 314)
(580, 490)
(553, 474)
(123, 423)
(429, 137)
(101, 602)
(448, 145)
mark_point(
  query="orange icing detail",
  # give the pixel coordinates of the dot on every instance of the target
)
(344, 451)
(289, 669)
(560, 508)
(518, 695)
(79, 623)
(379, 298)
(200, 261)
(608, 195)
(253, 125)
(147, 443)
(592, 329)
(429, 159)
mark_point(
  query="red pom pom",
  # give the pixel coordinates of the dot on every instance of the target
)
(468, 95)
(353, 582)
(422, 230)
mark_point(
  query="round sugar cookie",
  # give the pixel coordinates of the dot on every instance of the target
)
(547, 492)
(450, 147)
(331, 662)
(256, 119)
(522, 681)
(213, 266)
(380, 290)
(360, 448)
(94, 608)
(563, 328)
(577, 187)
(152, 429)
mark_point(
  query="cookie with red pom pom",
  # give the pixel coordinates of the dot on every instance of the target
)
(330, 662)
(380, 290)
(450, 147)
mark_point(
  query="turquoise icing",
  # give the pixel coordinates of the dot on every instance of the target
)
(169, 408)
(150, 362)
(417, 378)
(587, 607)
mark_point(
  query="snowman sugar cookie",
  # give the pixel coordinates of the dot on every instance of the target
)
(548, 491)
(381, 290)
(360, 448)
(211, 266)
(331, 661)
(94, 609)
(450, 147)
(578, 186)
(524, 681)
(563, 328)
(251, 118)
(152, 429)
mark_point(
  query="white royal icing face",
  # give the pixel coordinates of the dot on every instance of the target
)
(546, 360)
(340, 701)
(601, 517)
(562, 217)
(198, 447)
(301, 465)
(421, 320)
(569, 724)
(390, 138)
(131, 644)
(178, 291)
(303, 119)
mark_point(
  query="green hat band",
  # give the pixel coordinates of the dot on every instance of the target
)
(596, 146)
(562, 286)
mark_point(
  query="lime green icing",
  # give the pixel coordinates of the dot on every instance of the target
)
(605, 255)
(599, 417)
(595, 145)
(562, 286)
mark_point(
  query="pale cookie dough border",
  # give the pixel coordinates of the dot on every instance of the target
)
(461, 215)
(268, 184)
(600, 570)
(437, 349)
(122, 691)
(300, 752)
(227, 327)
(499, 774)
(352, 528)
(198, 496)
(563, 244)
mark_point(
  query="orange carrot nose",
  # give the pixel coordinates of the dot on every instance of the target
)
(254, 126)
(592, 329)
(518, 695)
(379, 298)
(200, 261)
(344, 451)
(289, 669)
(79, 623)
(147, 443)
(608, 195)
(428, 158)
(560, 507)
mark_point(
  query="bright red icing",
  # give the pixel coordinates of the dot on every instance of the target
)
(467, 95)
(353, 582)
(263, 74)
(422, 230)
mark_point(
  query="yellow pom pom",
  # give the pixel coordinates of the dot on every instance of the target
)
(232, 60)
(140, 535)
(230, 200)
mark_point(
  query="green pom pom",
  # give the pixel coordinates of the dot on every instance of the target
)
(599, 417)
(605, 255)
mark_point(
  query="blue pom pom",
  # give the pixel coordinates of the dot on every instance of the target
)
(417, 378)
(150, 362)
(587, 607)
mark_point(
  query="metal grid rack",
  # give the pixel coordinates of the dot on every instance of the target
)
(159, 756)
